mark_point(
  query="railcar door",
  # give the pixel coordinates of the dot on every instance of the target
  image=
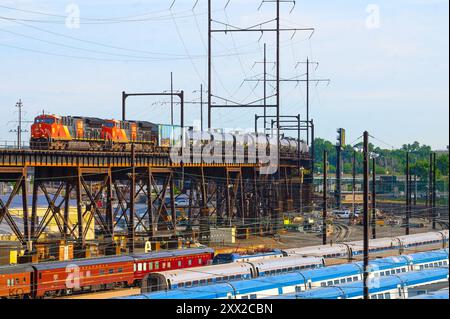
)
(154, 282)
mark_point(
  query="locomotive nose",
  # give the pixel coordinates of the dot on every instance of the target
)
(38, 131)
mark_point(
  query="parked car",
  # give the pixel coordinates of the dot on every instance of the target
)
(182, 202)
(344, 214)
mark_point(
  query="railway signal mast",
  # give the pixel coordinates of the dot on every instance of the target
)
(339, 147)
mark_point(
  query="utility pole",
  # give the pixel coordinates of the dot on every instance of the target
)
(308, 82)
(259, 29)
(307, 99)
(366, 216)
(415, 191)
(354, 183)
(434, 192)
(407, 190)
(325, 191)
(278, 59)
(131, 232)
(374, 211)
(19, 129)
(209, 64)
(430, 187)
(265, 88)
(171, 98)
(201, 107)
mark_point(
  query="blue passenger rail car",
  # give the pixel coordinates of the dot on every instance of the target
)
(222, 273)
(377, 247)
(291, 286)
(440, 294)
(219, 291)
(288, 279)
(390, 287)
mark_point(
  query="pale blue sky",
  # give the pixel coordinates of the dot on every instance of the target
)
(391, 80)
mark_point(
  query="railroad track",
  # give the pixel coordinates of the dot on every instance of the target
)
(343, 232)
(443, 224)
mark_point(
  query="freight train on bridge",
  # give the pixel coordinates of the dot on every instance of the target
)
(104, 166)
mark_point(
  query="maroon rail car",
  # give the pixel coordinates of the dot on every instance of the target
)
(61, 278)
(15, 281)
(170, 260)
(58, 278)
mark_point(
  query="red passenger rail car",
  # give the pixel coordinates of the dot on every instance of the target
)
(144, 264)
(82, 275)
(15, 281)
(64, 278)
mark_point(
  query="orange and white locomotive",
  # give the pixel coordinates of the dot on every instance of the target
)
(88, 133)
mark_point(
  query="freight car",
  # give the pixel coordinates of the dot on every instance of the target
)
(53, 132)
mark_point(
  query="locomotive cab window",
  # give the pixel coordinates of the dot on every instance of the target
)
(44, 121)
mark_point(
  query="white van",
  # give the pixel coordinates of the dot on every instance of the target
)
(344, 214)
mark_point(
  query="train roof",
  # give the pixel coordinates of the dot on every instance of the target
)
(375, 243)
(440, 294)
(386, 263)
(15, 269)
(294, 261)
(355, 289)
(82, 262)
(174, 253)
(418, 277)
(199, 273)
(421, 237)
(145, 124)
(257, 255)
(318, 250)
(266, 283)
(332, 272)
(201, 292)
(428, 256)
